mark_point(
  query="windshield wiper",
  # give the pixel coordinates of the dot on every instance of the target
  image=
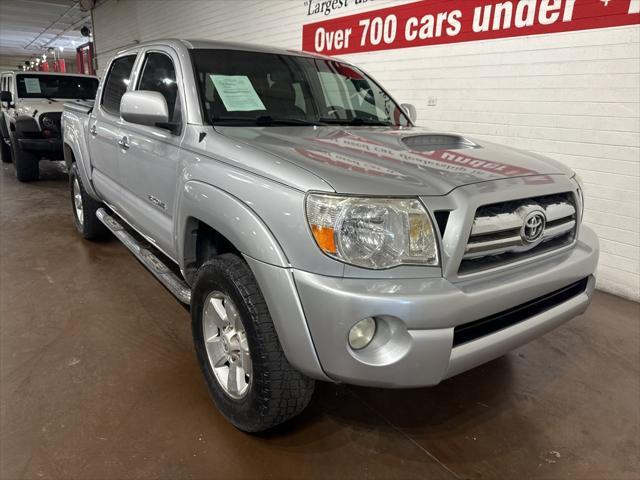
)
(356, 122)
(267, 120)
(264, 121)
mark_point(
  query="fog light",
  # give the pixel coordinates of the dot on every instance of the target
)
(362, 333)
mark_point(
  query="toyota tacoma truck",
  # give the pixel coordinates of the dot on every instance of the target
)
(31, 107)
(314, 231)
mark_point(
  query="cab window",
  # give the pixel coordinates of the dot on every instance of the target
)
(116, 83)
(159, 75)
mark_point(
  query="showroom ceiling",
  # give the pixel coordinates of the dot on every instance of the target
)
(30, 27)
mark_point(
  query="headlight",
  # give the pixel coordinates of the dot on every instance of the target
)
(48, 122)
(372, 233)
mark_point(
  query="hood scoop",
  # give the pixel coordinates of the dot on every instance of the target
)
(434, 142)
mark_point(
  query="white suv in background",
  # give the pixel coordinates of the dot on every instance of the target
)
(30, 116)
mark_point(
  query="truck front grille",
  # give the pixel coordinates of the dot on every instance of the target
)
(506, 232)
(468, 332)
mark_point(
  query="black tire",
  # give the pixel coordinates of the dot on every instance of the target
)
(26, 163)
(5, 148)
(89, 226)
(277, 392)
(5, 151)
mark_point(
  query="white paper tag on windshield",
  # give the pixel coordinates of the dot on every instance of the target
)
(237, 93)
(32, 85)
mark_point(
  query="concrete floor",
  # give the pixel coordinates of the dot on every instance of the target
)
(98, 380)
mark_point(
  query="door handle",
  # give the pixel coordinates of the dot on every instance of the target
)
(93, 130)
(124, 143)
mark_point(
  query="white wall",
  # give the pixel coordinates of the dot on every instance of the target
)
(572, 96)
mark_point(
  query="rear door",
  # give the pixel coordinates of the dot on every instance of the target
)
(105, 129)
(149, 163)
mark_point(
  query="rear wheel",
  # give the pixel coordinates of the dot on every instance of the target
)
(25, 162)
(84, 208)
(246, 371)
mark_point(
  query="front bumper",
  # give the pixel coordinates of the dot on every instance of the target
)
(414, 344)
(52, 146)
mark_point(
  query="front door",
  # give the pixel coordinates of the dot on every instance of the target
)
(149, 156)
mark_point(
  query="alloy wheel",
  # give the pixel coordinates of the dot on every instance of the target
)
(226, 344)
(77, 201)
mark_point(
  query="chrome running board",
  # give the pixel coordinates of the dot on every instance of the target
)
(170, 280)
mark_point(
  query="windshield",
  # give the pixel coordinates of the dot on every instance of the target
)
(240, 88)
(56, 86)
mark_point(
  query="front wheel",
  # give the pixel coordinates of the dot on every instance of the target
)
(245, 369)
(26, 163)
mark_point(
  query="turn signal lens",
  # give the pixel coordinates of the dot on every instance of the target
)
(324, 238)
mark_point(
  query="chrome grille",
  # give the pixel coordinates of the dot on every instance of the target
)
(499, 234)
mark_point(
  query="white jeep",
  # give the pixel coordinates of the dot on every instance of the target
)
(30, 116)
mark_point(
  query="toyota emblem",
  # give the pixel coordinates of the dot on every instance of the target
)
(533, 226)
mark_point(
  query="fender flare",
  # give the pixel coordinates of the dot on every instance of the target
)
(26, 124)
(239, 224)
(231, 217)
(74, 148)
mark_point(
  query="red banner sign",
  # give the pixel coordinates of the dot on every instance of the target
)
(433, 22)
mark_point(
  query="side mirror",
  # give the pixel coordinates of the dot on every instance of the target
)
(6, 97)
(411, 111)
(145, 108)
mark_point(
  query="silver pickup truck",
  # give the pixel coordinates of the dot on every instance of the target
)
(315, 232)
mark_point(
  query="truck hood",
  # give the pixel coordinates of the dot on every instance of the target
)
(34, 107)
(393, 161)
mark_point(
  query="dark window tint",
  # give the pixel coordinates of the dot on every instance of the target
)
(116, 84)
(159, 75)
(56, 86)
